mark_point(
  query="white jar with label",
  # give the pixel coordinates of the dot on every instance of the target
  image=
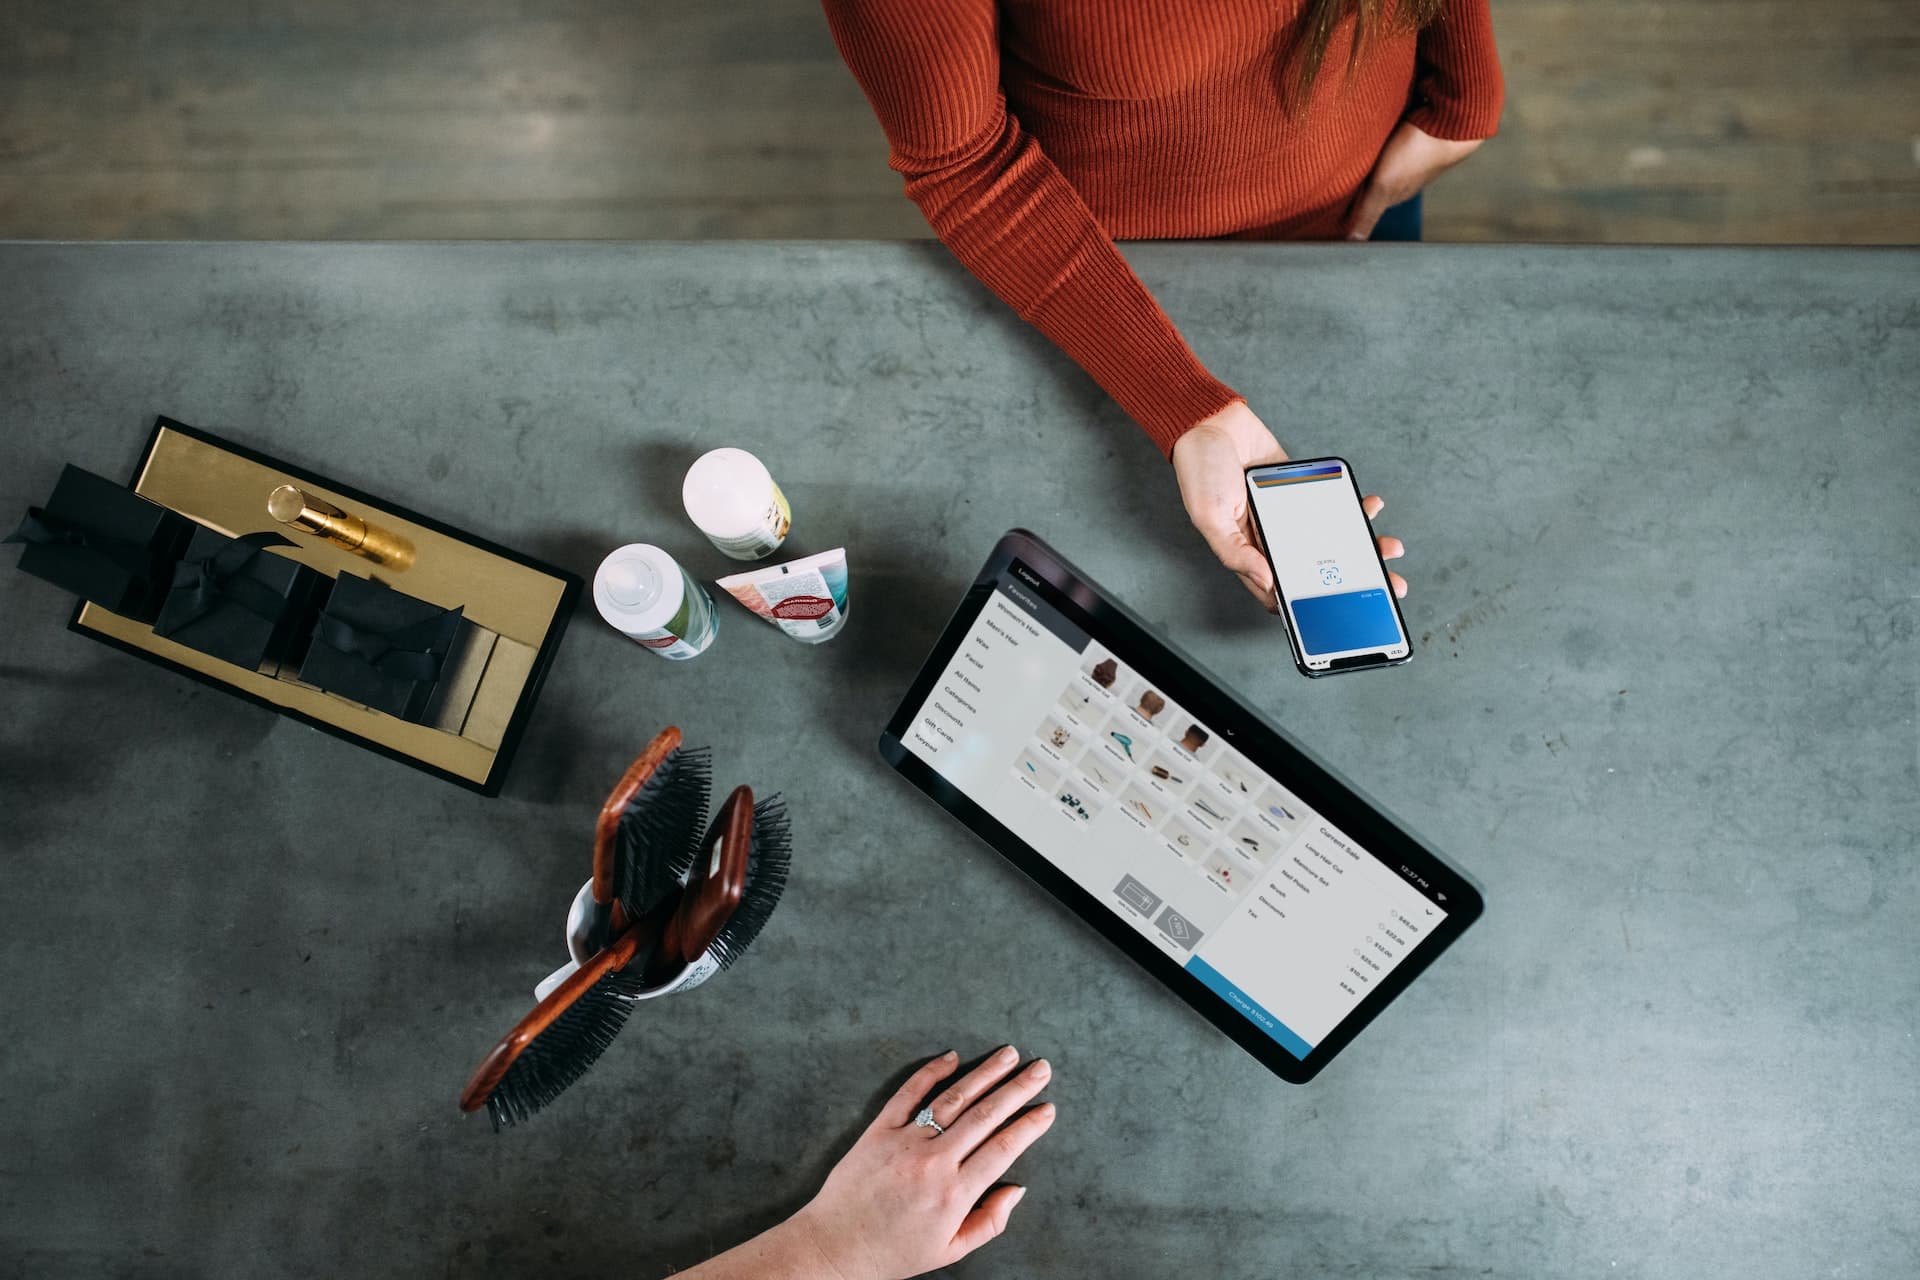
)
(645, 595)
(730, 495)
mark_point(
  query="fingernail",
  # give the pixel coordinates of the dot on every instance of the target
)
(1041, 1070)
(1047, 1109)
(948, 1056)
(1006, 1054)
(1019, 1194)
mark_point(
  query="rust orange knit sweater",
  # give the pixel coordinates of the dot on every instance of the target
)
(1032, 133)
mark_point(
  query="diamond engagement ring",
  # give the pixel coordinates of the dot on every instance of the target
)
(926, 1121)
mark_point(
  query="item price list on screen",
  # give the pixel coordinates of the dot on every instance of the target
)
(1339, 914)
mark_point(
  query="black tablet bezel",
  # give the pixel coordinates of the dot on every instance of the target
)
(1260, 742)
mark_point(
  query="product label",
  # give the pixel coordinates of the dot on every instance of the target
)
(800, 605)
(780, 515)
(692, 976)
(809, 608)
(688, 633)
(765, 539)
(667, 645)
(807, 598)
(751, 547)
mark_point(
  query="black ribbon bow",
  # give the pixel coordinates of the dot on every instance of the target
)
(206, 582)
(405, 653)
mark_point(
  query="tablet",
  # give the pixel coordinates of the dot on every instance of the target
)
(1138, 790)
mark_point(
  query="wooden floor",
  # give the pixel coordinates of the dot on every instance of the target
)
(1756, 121)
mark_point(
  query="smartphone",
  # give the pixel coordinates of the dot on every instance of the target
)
(1334, 595)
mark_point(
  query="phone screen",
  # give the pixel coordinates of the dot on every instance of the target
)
(1328, 574)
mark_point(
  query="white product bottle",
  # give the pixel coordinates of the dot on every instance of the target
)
(731, 496)
(644, 594)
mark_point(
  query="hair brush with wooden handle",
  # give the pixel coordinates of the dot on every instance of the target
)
(560, 1039)
(696, 931)
(647, 834)
(731, 891)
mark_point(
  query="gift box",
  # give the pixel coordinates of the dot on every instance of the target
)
(383, 648)
(232, 599)
(105, 543)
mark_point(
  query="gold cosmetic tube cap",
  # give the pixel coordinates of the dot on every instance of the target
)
(298, 509)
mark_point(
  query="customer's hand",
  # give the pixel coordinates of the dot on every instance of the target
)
(906, 1200)
(1410, 160)
(1210, 463)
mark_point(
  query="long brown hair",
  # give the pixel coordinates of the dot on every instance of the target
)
(1318, 18)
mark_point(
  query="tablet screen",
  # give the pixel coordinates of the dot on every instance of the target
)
(1091, 762)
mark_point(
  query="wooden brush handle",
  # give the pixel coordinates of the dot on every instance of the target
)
(714, 887)
(494, 1066)
(606, 844)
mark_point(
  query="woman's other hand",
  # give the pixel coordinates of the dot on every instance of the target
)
(1410, 160)
(1210, 462)
(907, 1200)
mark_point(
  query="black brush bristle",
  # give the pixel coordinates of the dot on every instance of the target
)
(660, 830)
(563, 1052)
(767, 864)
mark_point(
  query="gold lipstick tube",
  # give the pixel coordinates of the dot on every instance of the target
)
(298, 509)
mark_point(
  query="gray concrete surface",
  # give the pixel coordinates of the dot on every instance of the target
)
(1662, 530)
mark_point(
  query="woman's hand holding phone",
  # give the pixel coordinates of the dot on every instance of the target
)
(1210, 463)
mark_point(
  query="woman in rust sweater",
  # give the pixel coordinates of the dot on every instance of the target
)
(1034, 133)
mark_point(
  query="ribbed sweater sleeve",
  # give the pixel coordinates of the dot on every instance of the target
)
(931, 69)
(1458, 86)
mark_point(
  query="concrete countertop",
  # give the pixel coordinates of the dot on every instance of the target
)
(1663, 540)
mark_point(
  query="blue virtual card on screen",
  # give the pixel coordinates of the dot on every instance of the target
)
(1350, 620)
